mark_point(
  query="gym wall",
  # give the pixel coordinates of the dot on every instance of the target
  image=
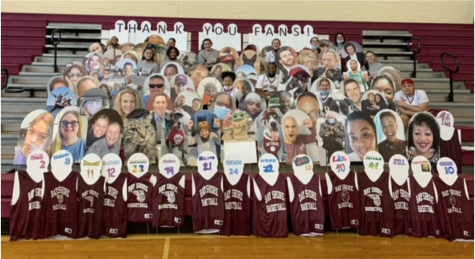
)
(454, 12)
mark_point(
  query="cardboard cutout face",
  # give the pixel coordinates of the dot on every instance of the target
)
(269, 133)
(140, 135)
(373, 102)
(172, 69)
(218, 69)
(188, 59)
(230, 57)
(188, 102)
(56, 82)
(360, 136)
(105, 133)
(198, 73)
(244, 85)
(93, 101)
(286, 58)
(352, 89)
(126, 67)
(423, 137)
(60, 98)
(299, 135)
(69, 133)
(115, 82)
(250, 57)
(155, 84)
(181, 83)
(158, 44)
(391, 137)
(73, 72)
(349, 50)
(208, 88)
(35, 134)
(252, 103)
(246, 71)
(309, 59)
(91, 62)
(282, 100)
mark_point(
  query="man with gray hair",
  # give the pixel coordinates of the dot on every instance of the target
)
(331, 60)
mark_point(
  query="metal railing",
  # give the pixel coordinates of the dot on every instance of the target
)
(452, 72)
(5, 76)
(55, 44)
(410, 46)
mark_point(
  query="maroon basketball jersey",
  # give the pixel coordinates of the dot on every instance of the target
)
(25, 216)
(270, 213)
(344, 202)
(139, 202)
(115, 208)
(91, 208)
(60, 206)
(168, 202)
(454, 210)
(453, 150)
(423, 210)
(237, 208)
(308, 215)
(208, 203)
(375, 206)
(401, 217)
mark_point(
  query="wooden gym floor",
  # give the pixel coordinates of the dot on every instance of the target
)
(331, 246)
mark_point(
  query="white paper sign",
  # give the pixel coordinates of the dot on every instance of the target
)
(302, 164)
(399, 168)
(207, 163)
(268, 164)
(221, 38)
(135, 33)
(420, 165)
(233, 164)
(37, 161)
(445, 118)
(62, 161)
(111, 167)
(340, 163)
(169, 165)
(248, 157)
(91, 165)
(446, 166)
(138, 164)
(373, 162)
(296, 36)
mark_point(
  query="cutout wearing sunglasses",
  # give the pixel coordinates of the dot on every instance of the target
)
(75, 75)
(65, 124)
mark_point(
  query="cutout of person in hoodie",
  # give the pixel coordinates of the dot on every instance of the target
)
(147, 66)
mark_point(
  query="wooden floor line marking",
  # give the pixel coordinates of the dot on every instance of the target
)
(166, 248)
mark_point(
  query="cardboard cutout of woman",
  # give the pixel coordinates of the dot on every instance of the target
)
(391, 137)
(92, 62)
(36, 133)
(68, 133)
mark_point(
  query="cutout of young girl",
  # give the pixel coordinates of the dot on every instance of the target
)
(147, 65)
(205, 140)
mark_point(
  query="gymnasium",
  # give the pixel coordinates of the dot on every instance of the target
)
(237, 129)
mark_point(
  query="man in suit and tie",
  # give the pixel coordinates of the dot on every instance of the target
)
(159, 121)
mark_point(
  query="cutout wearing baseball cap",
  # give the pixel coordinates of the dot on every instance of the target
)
(407, 81)
(181, 79)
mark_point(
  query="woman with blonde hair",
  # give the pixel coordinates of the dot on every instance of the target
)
(69, 136)
(37, 136)
(126, 101)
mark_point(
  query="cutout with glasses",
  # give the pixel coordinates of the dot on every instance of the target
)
(66, 124)
(156, 85)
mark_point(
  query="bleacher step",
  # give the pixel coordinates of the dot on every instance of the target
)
(74, 26)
